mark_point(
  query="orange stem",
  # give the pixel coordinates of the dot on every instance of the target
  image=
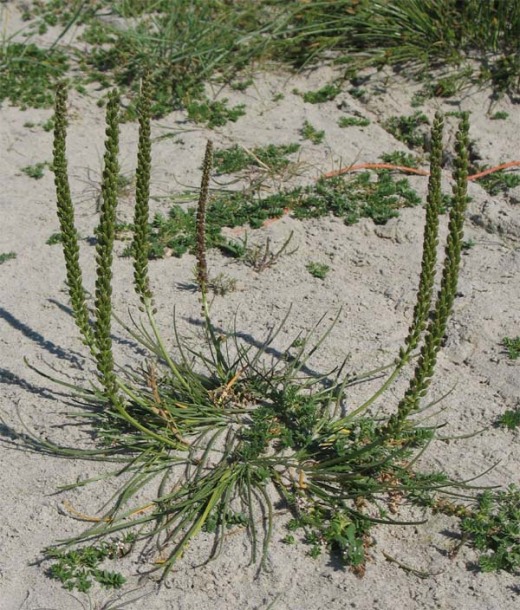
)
(412, 170)
(491, 170)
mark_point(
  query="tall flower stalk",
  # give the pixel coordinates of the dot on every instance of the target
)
(427, 276)
(202, 265)
(430, 242)
(68, 230)
(104, 251)
(428, 357)
(142, 196)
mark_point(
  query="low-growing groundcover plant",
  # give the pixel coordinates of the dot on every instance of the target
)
(219, 429)
(186, 43)
(350, 198)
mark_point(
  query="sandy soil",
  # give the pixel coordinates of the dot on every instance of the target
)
(373, 277)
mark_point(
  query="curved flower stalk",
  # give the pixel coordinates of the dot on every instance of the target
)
(427, 275)
(448, 289)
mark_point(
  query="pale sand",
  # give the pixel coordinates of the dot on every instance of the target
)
(373, 277)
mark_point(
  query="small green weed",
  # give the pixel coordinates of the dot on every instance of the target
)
(241, 85)
(447, 86)
(80, 568)
(498, 182)
(318, 270)
(222, 284)
(353, 121)
(261, 256)
(510, 419)
(349, 198)
(418, 98)
(7, 256)
(512, 346)
(325, 94)
(494, 529)
(467, 244)
(236, 158)
(357, 92)
(456, 113)
(35, 171)
(48, 125)
(214, 113)
(499, 116)
(398, 157)
(55, 238)
(29, 74)
(309, 132)
(406, 128)
(357, 197)
(175, 233)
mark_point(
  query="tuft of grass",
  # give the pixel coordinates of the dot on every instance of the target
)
(309, 132)
(7, 256)
(499, 116)
(222, 284)
(327, 93)
(512, 345)
(353, 121)
(223, 427)
(413, 35)
(182, 50)
(510, 419)
(318, 270)
(406, 129)
(186, 44)
(261, 256)
(35, 171)
(55, 238)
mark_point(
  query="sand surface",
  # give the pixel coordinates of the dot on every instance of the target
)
(373, 277)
